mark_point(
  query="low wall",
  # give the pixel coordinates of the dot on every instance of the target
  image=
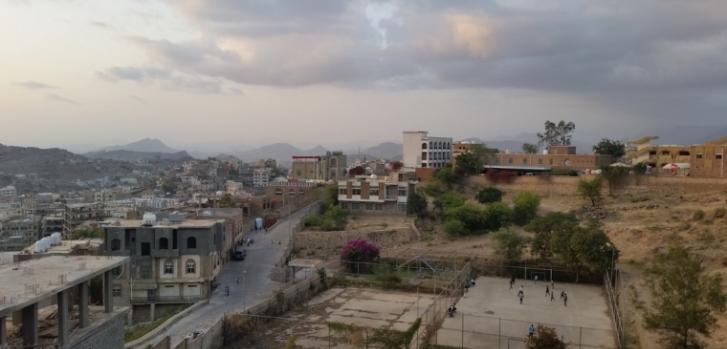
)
(106, 334)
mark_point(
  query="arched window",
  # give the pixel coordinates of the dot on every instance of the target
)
(168, 267)
(163, 244)
(191, 266)
(191, 242)
(115, 245)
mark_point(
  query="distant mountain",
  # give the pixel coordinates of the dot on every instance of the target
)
(386, 150)
(282, 152)
(146, 145)
(131, 156)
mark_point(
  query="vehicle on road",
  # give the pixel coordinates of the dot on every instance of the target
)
(239, 254)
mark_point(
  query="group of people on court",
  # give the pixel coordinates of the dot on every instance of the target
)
(549, 291)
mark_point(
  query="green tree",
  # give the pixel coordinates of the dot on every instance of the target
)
(469, 163)
(556, 134)
(525, 207)
(416, 204)
(615, 176)
(530, 148)
(685, 299)
(468, 215)
(454, 227)
(583, 248)
(546, 338)
(543, 228)
(447, 176)
(169, 185)
(508, 244)
(489, 194)
(591, 189)
(448, 200)
(606, 146)
(495, 216)
(226, 201)
(330, 195)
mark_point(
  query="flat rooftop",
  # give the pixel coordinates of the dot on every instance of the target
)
(187, 223)
(31, 281)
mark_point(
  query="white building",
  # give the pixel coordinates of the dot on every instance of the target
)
(373, 194)
(421, 150)
(233, 188)
(261, 177)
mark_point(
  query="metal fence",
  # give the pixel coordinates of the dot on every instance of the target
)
(470, 331)
(614, 312)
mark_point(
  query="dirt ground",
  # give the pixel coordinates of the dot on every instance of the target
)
(362, 307)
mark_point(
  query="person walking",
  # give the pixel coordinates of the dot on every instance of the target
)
(565, 298)
(547, 291)
(552, 295)
(531, 332)
(521, 294)
(512, 281)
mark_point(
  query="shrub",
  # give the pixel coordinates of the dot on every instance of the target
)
(359, 251)
(591, 189)
(489, 194)
(416, 204)
(447, 176)
(546, 338)
(509, 244)
(525, 208)
(455, 228)
(434, 188)
(698, 215)
(719, 212)
(448, 200)
(496, 216)
(385, 273)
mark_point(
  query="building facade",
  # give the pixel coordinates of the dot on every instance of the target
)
(261, 177)
(329, 167)
(375, 194)
(708, 160)
(16, 233)
(558, 157)
(172, 262)
(8, 194)
(421, 150)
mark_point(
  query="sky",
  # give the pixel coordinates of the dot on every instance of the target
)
(87, 73)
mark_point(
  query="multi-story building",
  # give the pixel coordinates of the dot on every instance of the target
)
(329, 167)
(373, 194)
(557, 156)
(18, 232)
(174, 261)
(8, 194)
(696, 160)
(708, 160)
(462, 147)
(421, 150)
(261, 177)
(233, 187)
(104, 196)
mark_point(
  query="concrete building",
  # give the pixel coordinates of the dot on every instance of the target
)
(557, 157)
(697, 160)
(373, 194)
(421, 150)
(708, 160)
(261, 177)
(174, 261)
(329, 167)
(18, 232)
(31, 290)
(8, 194)
(462, 147)
(233, 187)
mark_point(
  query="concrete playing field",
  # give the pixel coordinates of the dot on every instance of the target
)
(491, 308)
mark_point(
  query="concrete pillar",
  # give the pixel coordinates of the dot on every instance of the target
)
(63, 318)
(3, 331)
(83, 295)
(30, 326)
(108, 301)
(152, 311)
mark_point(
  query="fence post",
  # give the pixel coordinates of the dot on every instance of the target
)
(499, 331)
(462, 330)
(580, 337)
(329, 336)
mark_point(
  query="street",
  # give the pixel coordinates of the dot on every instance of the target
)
(254, 280)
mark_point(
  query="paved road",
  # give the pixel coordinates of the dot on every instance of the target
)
(254, 286)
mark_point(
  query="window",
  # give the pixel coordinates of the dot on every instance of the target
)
(652, 152)
(163, 244)
(509, 160)
(402, 191)
(718, 156)
(540, 161)
(424, 156)
(168, 267)
(699, 156)
(342, 191)
(115, 245)
(146, 249)
(116, 271)
(665, 152)
(356, 191)
(191, 266)
(374, 192)
(424, 146)
(683, 153)
(191, 242)
(525, 161)
(116, 292)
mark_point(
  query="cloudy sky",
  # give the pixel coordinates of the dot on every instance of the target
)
(92, 72)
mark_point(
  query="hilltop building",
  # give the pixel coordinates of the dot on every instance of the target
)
(329, 167)
(374, 194)
(556, 157)
(423, 151)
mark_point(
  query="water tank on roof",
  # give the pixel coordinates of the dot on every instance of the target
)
(149, 219)
(56, 238)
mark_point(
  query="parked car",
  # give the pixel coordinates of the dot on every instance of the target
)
(239, 254)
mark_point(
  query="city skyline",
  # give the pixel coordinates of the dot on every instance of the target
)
(99, 73)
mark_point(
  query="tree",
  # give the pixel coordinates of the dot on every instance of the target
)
(489, 194)
(448, 200)
(169, 185)
(685, 300)
(583, 248)
(469, 163)
(556, 134)
(591, 190)
(416, 204)
(525, 207)
(226, 201)
(447, 176)
(546, 338)
(543, 228)
(606, 146)
(530, 148)
(356, 252)
(508, 244)
(615, 176)
(330, 195)
(495, 216)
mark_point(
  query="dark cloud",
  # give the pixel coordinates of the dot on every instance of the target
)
(34, 85)
(168, 79)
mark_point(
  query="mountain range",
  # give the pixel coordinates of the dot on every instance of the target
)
(146, 145)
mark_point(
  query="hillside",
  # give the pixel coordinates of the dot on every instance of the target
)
(146, 145)
(127, 155)
(282, 152)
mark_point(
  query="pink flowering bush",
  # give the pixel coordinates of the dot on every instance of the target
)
(356, 253)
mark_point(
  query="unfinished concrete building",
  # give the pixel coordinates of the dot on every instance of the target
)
(47, 303)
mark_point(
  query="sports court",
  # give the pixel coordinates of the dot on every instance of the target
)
(490, 315)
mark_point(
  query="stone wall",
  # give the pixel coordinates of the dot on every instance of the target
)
(108, 334)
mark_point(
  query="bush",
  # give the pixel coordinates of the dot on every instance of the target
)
(489, 195)
(332, 218)
(455, 228)
(591, 190)
(546, 338)
(496, 216)
(719, 212)
(509, 244)
(447, 176)
(416, 204)
(525, 208)
(698, 215)
(449, 200)
(359, 251)
(385, 273)
(435, 188)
